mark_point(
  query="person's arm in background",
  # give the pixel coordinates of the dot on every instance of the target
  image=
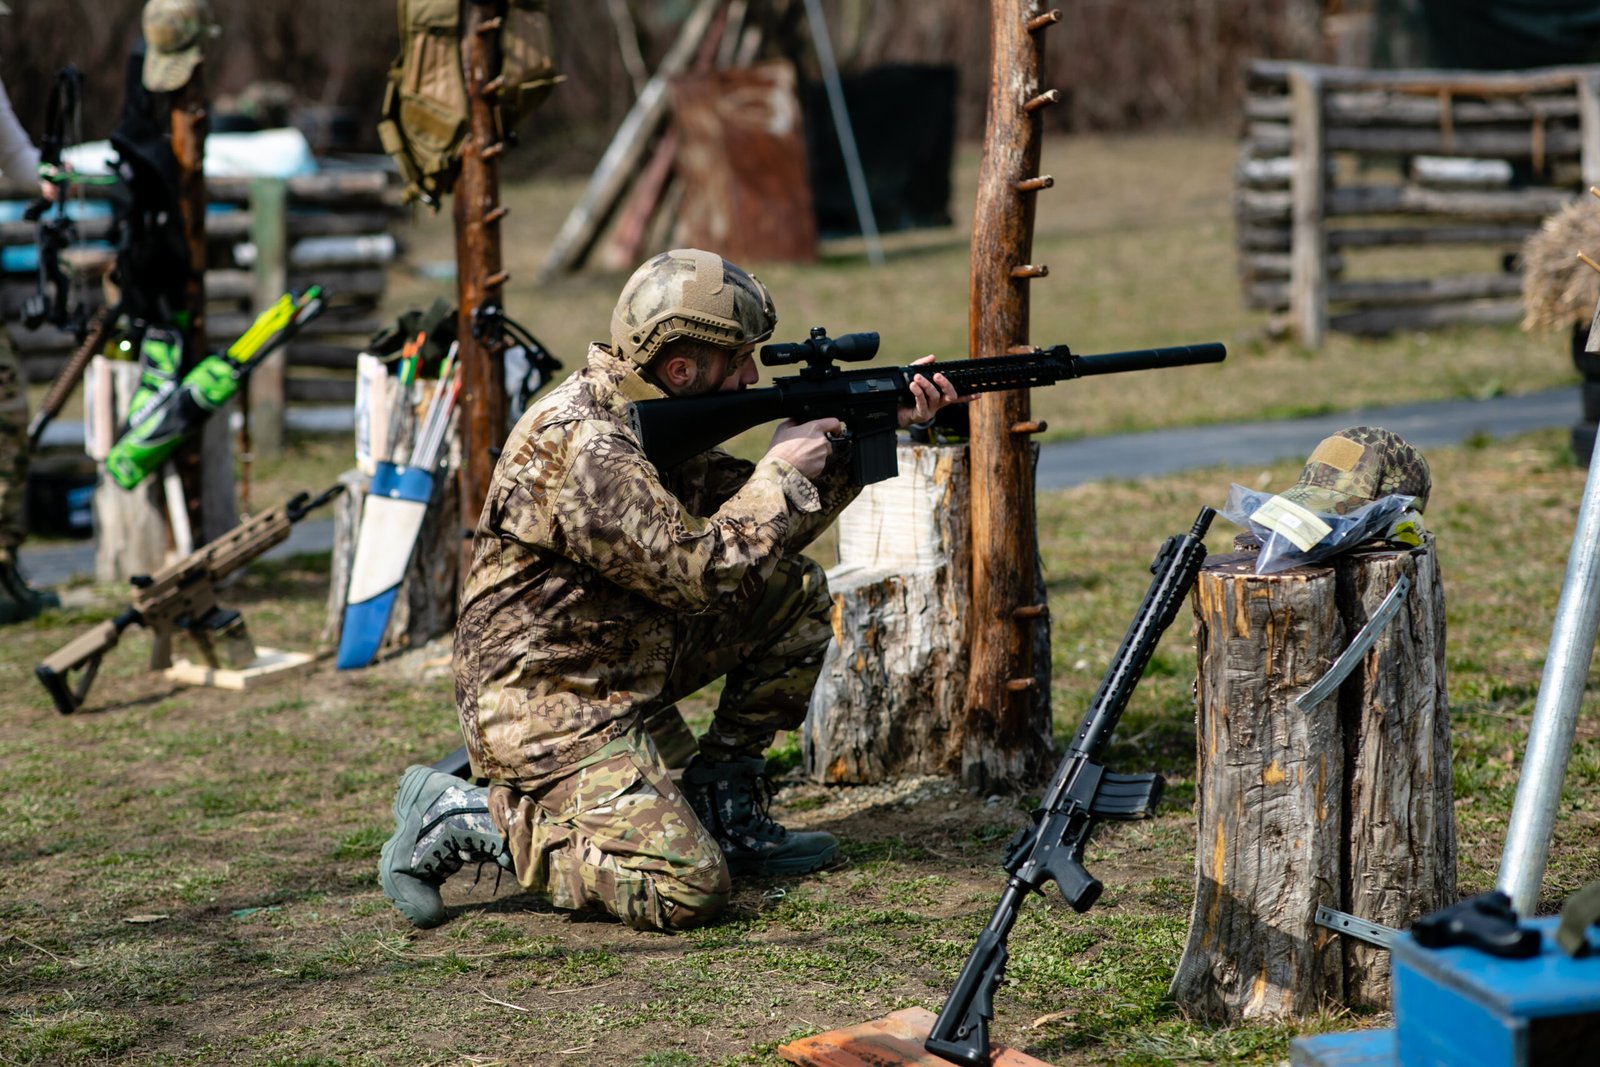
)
(19, 160)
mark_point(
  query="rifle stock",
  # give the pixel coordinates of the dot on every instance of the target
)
(673, 429)
(182, 595)
(1081, 793)
(83, 652)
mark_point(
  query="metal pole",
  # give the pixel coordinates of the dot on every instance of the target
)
(1555, 712)
(841, 125)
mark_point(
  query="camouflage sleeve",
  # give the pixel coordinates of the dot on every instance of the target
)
(610, 512)
(834, 492)
(723, 475)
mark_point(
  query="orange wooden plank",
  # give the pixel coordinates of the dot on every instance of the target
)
(892, 1041)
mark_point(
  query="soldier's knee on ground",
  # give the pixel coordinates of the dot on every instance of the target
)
(665, 900)
(689, 906)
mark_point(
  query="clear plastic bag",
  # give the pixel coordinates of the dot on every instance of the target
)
(1292, 535)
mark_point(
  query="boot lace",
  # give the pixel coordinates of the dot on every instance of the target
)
(762, 793)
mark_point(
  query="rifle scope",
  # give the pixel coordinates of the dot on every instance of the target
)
(820, 350)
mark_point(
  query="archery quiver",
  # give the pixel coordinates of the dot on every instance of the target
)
(425, 120)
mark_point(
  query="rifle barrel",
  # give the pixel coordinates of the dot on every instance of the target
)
(1149, 359)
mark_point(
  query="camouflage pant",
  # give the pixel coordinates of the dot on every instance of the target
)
(13, 447)
(615, 833)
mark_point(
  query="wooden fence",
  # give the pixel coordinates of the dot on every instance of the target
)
(333, 229)
(1337, 164)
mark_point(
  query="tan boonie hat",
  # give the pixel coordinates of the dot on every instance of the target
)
(174, 32)
(1356, 466)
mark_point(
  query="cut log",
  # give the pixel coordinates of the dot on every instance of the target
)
(1274, 74)
(894, 679)
(1517, 142)
(1378, 321)
(1377, 108)
(1345, 804)
(130, 525)
(1400, 806)
(1445, 172)
(1399, 292)
(1268, 781)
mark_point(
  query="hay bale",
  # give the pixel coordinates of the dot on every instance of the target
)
(1558, 290)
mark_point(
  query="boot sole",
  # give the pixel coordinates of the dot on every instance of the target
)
(798, 865)
(405, 799)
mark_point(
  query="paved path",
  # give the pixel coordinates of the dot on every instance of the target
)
(1070, 463)
(1432, 425)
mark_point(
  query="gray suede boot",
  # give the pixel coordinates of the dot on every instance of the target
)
(731, 800)
(441, 823)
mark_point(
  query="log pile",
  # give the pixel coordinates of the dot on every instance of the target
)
(338, 232)
(1337, 162)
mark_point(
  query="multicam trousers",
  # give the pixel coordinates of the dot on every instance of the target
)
(13, 448)
(615, 833)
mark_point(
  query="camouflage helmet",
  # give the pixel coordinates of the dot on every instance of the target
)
(1358, 465)
(690, 293)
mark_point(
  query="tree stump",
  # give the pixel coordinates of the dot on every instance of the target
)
(130, 525)
(425, 607)
(1347, 804)
(894, 679)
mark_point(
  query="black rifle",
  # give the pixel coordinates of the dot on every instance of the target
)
(1082, 792)
(866, 401)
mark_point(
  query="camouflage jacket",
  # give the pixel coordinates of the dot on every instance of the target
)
(584, 559)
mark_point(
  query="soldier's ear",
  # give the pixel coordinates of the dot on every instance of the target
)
(678, 372)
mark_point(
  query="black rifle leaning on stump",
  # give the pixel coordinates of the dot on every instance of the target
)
(180, 596)
(867, 401)
(1081, 793)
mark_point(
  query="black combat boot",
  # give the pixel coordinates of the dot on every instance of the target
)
(440, 824)
(18, 600)
(731, 801)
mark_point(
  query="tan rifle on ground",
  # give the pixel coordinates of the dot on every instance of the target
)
(180, 596)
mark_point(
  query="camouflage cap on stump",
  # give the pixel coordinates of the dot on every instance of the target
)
(1358, 465)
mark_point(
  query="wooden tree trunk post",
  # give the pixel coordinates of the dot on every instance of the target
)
(1308, 266)
(1005, 736)
(1346, 804)
(477, 214)
(269, 232)
(205, 465)
(893, 686)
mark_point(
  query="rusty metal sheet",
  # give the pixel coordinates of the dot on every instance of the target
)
(741, 163)
(892, 1041)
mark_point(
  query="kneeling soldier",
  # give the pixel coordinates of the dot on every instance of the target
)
(602, 591)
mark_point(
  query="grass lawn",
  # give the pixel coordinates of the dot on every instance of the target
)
(190, 874)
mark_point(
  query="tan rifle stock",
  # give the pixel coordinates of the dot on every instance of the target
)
(180, 596)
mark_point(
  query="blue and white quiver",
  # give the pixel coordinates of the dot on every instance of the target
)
(391, 519)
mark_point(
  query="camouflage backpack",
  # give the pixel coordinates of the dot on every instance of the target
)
(425, 105)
